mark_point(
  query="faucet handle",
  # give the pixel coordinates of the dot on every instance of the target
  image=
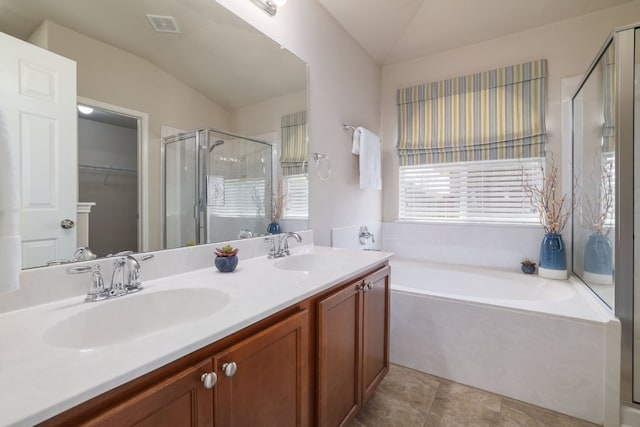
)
(134, 283)
(272, 241)
(83, 253)
(97, 291)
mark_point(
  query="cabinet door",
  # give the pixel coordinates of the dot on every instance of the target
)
(181, 400)
(375, 332)
(270, 384)
(339, 354)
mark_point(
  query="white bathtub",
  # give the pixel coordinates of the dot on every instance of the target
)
(546, 342)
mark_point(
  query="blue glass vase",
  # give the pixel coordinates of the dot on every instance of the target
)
(553, 258)
(598, 260)
(273, 228)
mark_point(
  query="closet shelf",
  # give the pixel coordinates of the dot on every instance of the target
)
(107, 169)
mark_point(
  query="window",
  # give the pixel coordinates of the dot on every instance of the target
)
(241, 198)
(485, 191)
(297, 201)
(467, 145)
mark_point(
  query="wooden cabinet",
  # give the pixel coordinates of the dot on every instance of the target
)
(352, 347)
(180, 400)
(267, 377)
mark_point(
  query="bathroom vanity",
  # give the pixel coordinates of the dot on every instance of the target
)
(296, 343)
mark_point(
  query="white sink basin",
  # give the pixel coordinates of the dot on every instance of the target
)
(311, 262)
(125, 318)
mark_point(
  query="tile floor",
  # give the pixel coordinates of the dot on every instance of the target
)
(408, 398)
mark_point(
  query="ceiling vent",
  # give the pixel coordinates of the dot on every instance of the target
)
(163, 24)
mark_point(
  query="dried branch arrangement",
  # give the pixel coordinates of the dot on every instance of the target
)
(554, 211)
(597, 209)
(278, 202)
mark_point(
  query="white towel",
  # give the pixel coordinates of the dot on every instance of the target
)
(368, 146)
(10, 245)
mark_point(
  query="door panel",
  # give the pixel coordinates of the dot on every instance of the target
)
(339, 347)
(38, 90)
(375, 341)
(270, 385)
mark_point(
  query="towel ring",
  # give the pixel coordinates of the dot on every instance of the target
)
(318, 157)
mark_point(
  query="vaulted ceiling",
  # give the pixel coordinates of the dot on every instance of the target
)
(396, 30)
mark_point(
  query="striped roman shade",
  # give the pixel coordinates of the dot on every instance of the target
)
(294, 155)
(493, 115)
(608, 82)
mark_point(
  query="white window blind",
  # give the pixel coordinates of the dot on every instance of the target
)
(480, 191)
(241, 198)
(297, 200)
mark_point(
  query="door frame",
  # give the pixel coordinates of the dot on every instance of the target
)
(143, 163)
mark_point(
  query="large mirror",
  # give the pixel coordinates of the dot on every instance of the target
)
(150, 69)
(594, 163)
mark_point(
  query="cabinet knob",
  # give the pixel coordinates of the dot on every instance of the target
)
(369, 286)
(366, 286)
(230, 368)
(209, 379)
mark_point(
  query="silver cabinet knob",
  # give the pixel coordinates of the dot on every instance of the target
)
(209, 379)
(369, 286)
(230, 369)
(67, 224)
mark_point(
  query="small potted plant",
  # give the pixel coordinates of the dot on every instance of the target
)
(226, 259)
(528, 266)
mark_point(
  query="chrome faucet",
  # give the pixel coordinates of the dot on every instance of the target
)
(365, 235)
(279, 244)
(125, 278)
(83, 253)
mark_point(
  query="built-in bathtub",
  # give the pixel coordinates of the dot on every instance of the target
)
(546, 342)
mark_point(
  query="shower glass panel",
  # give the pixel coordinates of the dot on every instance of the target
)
(594, 177)
(217, 186)
(180, 196)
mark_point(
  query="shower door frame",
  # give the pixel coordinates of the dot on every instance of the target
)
(625, 294)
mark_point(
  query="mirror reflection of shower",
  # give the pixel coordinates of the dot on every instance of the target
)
(214, 193)
(215, 144)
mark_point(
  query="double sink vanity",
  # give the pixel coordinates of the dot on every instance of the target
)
(299, 340)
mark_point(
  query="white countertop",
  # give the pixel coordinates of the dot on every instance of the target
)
(38, 380)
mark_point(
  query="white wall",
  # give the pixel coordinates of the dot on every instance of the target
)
(569, 46)
(344, 87)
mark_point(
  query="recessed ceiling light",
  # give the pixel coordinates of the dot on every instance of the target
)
(85, 110)
(163, 24)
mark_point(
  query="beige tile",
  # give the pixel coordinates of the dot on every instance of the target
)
(386, 410)
(402, 399)
(519, 414)
(459, 405)
(414, 387)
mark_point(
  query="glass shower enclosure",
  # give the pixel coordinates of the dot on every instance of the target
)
(216, 187)
(606, 173)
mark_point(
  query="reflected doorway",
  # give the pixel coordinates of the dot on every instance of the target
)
(109, 179)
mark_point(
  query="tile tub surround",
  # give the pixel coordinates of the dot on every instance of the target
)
(68, 377)
(557, 354)
(347, 237)
(411, 398)
(487, 245)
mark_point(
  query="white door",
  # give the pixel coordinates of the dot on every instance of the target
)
(38, 97)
